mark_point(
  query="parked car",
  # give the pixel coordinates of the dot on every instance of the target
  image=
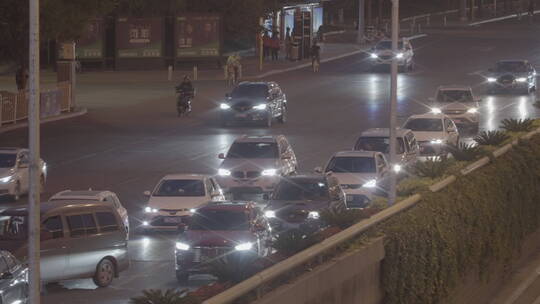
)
(381, 54)
(77, 240)
(176, 196)
(13, 279)
(434, 132)
(512, 75)
(217, 230)
(297, 202)
(459, 103)
(360, 175)
(83, 197)
(14, 172)
(255, 164)
(378, 140)
(255, 101)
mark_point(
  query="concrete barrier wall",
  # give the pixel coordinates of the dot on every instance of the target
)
(353, 278)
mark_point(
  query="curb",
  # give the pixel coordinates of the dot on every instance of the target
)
(79, 112)
(523, 14)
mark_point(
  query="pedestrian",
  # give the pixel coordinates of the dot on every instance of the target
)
(21, 78)
(233, 68)
(531, 10)
(288, 43)
(266, 45)
(315, 56)
(274, 43)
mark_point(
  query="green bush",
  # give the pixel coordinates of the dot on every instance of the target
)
(412, 185)
(465, 152)
(431, 168)
(478, 221)
(491, 138)
(517, 125)
(343, 218)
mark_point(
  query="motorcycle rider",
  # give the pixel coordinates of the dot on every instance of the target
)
(186, 91)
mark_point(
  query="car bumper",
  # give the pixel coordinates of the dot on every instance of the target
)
(244, 116)
(262, 184)
(464, 119)
(164, 221)
(510, 85)
(381, 61)
(198, 260)
(429, 149)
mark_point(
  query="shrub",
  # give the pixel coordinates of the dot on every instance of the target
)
(170, 296)
(491, 138)
(465, 152)
(293, 241)
(431, 168)
(234, 268)
(343, 218)
(517, 125)
(412, 185)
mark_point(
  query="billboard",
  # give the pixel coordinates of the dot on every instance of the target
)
(139, 37)
(90, 44)
(49, 103)
(197, 36)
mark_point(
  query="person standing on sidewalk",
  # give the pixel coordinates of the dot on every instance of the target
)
(274, 44)
(21, 78)
(315, 56)
(266, 45)
(288, 43)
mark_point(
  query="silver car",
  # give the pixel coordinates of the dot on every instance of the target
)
(77, 240)
(512, 75)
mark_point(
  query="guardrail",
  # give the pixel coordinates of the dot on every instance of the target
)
(256, 282)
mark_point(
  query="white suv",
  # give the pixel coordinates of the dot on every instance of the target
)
(381, 54)
(459, 103)
(176, 196)
(434, 132)
(14, 172)
(359, 173)
(254, 164)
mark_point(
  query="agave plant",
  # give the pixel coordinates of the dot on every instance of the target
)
(491, 138)
(233, 268)
(170, 296)
(342, 218)
(465, 152)
(517, 125)
(431, 168)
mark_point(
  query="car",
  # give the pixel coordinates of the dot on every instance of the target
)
(83, 197)
(381, 54)
(378, 140)
(254, 102)
(434, 133)
(14, 172)
(459, 103)
(255, 164)
(359, 174)
(298, 201)
(77, 241)
(216, 230)
(13, 279)
(512, 75)
(175, 197)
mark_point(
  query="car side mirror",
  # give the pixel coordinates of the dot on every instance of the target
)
(6, 276)
(181, 228)
(318, 170)
(147, 193)
(221, 156)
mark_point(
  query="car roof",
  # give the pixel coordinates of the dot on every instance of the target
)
(11, 150)
(46, 207)
(428, 115)
(254, 138)
(455, 87)
(185, 176)
(383, 132)
(81, 194)
(353, 153)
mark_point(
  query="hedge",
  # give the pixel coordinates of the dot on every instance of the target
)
(478, 221)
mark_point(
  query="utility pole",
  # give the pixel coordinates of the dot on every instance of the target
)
(463, 10)
(34, 276)
(361, 22)
(393, 101)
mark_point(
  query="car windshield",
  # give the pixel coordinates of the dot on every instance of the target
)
(455, 95)
(7, 160)
(13, 227)
(352, 165)
(511, 66)
(253, 150)
(213, 219)
(302, 190)
(379, 144)
(250, 91)
(180, 187)
(425, 125)
(387, 45)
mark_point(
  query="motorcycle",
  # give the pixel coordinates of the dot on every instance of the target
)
(183, 102)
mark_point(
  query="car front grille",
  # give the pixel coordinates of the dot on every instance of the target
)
(385, 57)
(506, 79)
(168, 221)
(355, 201)
(238, 174)
(426, 148)
(295, 216)
(204, 254)
(454, 112)
(253, 174)
(242, 107)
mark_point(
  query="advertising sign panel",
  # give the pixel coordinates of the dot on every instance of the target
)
(90, 45)
(197, 36)
(49, 103)
(139, 37)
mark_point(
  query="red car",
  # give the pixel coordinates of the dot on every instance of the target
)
(219, 229)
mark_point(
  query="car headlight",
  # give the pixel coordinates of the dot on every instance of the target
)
(374, 56)
(261, 106)
(270, 214)
(399, 55)
(397, 168)
(436, 141)
(192, 210)
(472, 110)
(182, 246)
(436, 111)
(223, 172)
(150, 210)
(6, 179)
(521, 79)
(269, 172)
(370, 184)
(313, 215)
(243, 246)
(491, 79)
(224, 106)
(145, 223)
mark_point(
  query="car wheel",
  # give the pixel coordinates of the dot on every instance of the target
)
(283, 117)
(104, 273)
(16, 192)
(182, 277)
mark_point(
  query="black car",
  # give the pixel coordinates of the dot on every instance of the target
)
(512, 75)
(255, 102)
(13, 279)
(297, 202)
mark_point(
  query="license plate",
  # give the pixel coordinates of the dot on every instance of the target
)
(172, 220)
(241, 115)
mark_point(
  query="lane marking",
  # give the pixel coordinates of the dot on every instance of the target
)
(524, 14)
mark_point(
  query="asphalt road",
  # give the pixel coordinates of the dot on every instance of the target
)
(131, 136)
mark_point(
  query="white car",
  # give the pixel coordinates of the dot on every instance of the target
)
(381, 54)
(175, 198)
(85, 196)
(359, 174)
(254, 164)
(459, 103)
(434, 132)
(14, 172)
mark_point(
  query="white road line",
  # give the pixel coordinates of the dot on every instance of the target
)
(524, 14)
(416, 36)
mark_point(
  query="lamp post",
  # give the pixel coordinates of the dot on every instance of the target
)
(393, 101)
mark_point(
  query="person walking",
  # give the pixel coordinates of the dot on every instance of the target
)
(315, 56)
(233, 69)
(266, 45)
(288, 43)
(530, 10)
(274, 43)
(21, 78)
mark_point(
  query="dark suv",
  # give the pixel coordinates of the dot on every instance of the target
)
(13, 279)
(218, 230)
(255, 101)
